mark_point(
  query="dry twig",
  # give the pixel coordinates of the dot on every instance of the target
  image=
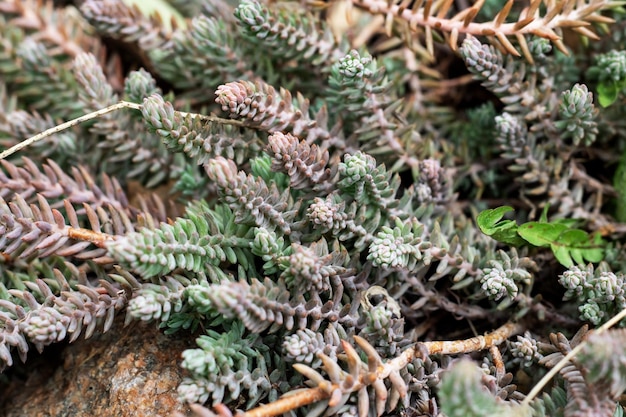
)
(432, 15)
(93, 115)
(547, 377)
(308, 396)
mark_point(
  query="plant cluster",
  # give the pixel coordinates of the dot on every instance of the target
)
(336, 241)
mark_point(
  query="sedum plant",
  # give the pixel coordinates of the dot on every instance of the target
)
(336, 242)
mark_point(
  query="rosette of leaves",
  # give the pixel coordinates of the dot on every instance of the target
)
(599, 292)
(577, 115)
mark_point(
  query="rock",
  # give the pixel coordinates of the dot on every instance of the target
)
(128, 371)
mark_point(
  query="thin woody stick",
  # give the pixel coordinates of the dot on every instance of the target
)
(96, 114)
(496, 357)
(285, 404)
(474, 344)
(97, 238)
(311, 395)
(78, 233)
(67, 125)
(547, 377)
(542, 26)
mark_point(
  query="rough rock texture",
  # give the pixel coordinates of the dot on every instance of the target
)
(132, 371)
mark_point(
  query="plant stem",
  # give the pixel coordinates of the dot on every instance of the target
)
(547, 377)
(311, 395)
(93, 115)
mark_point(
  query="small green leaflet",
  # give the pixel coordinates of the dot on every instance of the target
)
(607, 93)
(490, 223)
(570, 246)
(541, 234)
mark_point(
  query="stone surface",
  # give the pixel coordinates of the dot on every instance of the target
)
(128, 371)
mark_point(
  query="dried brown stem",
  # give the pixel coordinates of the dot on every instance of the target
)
(576, 18)
(93, 115)
(286, 404)
(564, 361)
(97, 238)
(475, 343)
(311, 395)
(497, 360)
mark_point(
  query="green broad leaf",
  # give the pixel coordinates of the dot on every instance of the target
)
(575, 247)
(607, 93)
(567, 222)
(562, 254)
(577, 242)
(568, 248)
(574, 238)
(541, 234)
(490, 223)
(594, 255)
(487, 219)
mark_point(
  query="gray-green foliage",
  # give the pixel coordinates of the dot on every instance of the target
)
(599, 293)
(327, 200)
(463, 394)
